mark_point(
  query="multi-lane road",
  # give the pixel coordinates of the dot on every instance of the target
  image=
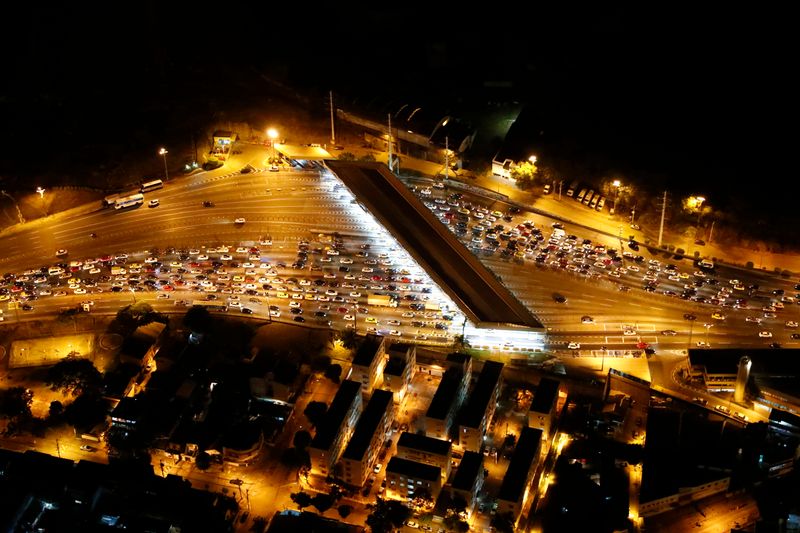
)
(291, 207)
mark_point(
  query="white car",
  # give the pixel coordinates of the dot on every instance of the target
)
(395, 333)
(349, 317)
(240, 220)
(294, 304)
(274, 313)
(62, 252)
(791, 324)
(765, 334)
(153, 203)
(574, 346)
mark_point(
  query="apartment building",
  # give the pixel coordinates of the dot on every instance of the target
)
(406, 479)
(448, 396)
(400, 369)
(515, 489)
(480, 407)
(368, 437)
(426, 450)
(547, 402)
(336, 428)
(468, 480)
(368, 363)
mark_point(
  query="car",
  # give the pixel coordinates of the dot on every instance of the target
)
(795, 336)
(273, 168)
(629, 331)
(246, 310)
(371, 320)
(153, 203)
(559, 298)
(240, 220)
(718, 316)
(412, 524)
(87, 448)
(377, 468)
(395, 333)
(61, 253)
(755, 319)
(703, 344)
(587, 320)
(574, 346)
(208, 204)
(774, 345)
(669, 332)
(790, 324)
(349, 317)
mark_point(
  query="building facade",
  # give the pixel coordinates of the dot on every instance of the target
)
(480, 407)
(468, 480)
(406, 480)
(548, 400)
(426, 450)
(515, 490)
(400, 369)
(448, 397)
(368, 437)
(368, 363)
(336, 428)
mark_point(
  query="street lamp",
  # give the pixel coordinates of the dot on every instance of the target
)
(272, 133)
(40, 190)
(615, 184)
(532, 159)
(163, 153)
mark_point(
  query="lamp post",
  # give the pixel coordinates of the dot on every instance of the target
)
(40, 190)
(272, 133)
(163, 153)
(616, 184)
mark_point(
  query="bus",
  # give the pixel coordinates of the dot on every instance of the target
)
(129, 201)
(211, 305)
(151, 185)
(111, 199)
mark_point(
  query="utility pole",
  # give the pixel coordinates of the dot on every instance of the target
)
(560, 187)
(333, 133)
(446, 157)
(389, 143)
(663, 212)
(58, 447)
(633, 213)
(711, 232)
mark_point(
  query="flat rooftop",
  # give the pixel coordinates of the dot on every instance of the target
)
(423, 443)
(366, 352)
(769, 362)
(546, 395)
(332, 423)
(413, 469)
(399, 349)
(473, 288)
(525, 454)
(445, 394)
(468, 470)
(475, 408)
(379, 403)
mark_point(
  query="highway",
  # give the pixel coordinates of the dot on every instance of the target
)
(290, 207)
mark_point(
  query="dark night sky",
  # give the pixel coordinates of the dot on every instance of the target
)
(706, 87)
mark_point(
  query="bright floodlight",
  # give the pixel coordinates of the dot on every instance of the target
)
(616, 183)
(163, 151)
(272, 133)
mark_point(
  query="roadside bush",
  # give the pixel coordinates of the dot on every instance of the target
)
(749, 264)
(786, 274)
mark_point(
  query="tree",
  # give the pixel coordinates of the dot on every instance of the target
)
(315, 412)
(56, 409)
(334, 372)
(344, 510)
(453, 521)
(198, 319)
(367, 157)
(460, 343)
(322, 502)
(86, 411)
(15, 403)
(349, 339)
(347, 156)
(503, 522)
(203, 461)
(74, 375)
(259, 524)
(524, 175)
(302, 439)
(387, 515)
(301, 499)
